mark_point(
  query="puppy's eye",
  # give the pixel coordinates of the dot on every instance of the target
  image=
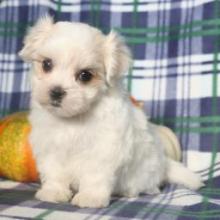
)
(47, 65)
(85, 76)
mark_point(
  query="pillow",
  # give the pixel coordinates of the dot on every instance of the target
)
(16, 160)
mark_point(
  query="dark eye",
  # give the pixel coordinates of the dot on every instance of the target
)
(47, 65)
(85, 76)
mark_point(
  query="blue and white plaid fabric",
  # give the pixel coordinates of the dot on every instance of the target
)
(176, 73)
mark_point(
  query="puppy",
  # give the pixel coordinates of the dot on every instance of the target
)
(88, 139)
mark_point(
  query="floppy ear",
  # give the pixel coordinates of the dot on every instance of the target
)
(35, 37)
(117, 57)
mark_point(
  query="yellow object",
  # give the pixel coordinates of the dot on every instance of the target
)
(171, 143)
(16, 160)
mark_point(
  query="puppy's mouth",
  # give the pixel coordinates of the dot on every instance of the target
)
(55, 103)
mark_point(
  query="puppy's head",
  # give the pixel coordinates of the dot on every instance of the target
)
(74, 65)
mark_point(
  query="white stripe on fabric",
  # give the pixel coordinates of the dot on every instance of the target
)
(18, 211)
(6, 84)
(8, 57)
(57, 215)
(144, 89)
(25, 82)
(142, 8)
(198, 161)
(198, 86)
(194, 58)
(7, 184)
(113, 8)
(52, 5)
(193, 64)
(192, 69)
(187, 199)
(151, 1)
(158, 6)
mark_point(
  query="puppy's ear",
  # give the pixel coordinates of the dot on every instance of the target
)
(117, 57)
(35, 37)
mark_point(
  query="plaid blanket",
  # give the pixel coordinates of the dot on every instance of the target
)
(175, 73)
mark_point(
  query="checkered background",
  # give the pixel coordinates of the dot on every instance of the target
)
(176, 72)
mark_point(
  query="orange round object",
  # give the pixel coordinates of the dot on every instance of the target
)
(16, 159)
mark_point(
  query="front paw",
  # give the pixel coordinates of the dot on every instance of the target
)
(90, 200)
(152, 191)
(54, 195)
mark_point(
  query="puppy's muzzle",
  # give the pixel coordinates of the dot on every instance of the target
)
(56, 95)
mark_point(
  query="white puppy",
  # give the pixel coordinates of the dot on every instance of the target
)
(88, 139)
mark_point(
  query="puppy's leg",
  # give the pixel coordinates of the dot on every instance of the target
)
(51, 191)
(152, 191)
(55, 184)
(94, 191)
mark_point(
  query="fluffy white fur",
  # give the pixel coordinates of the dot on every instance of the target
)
(96, 143)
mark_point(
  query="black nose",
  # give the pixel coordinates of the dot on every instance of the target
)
(57, 93)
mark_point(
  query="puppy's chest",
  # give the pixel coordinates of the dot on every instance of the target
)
(65, 140)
